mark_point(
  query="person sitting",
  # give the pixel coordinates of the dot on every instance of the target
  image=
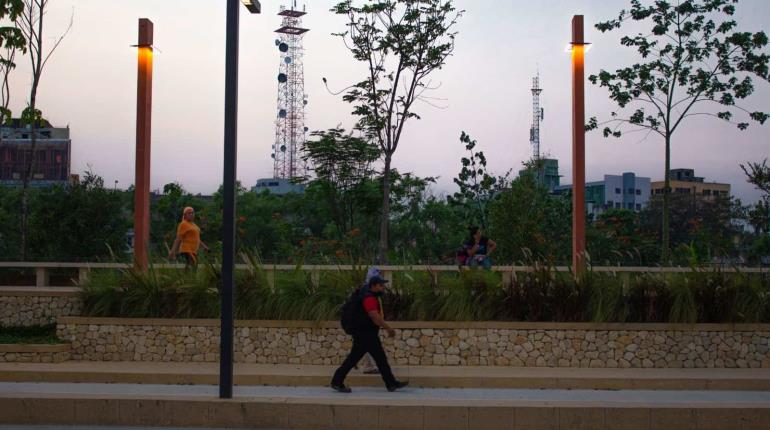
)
(478, 248)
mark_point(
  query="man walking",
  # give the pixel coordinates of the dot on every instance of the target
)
(367, 319)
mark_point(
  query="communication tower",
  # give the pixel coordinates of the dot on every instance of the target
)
(537, 116)
(290, 129)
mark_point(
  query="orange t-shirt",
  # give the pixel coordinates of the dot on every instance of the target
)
(190, 235)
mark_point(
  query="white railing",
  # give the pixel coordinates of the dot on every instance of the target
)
(42, 269)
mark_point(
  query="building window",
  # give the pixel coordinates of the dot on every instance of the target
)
(617, 205)
(617, 190)
(706, 192)
(638, 206)
(638, 192)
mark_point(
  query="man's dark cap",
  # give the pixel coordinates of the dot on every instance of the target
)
(376, 280)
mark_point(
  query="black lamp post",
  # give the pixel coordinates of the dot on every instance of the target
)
(228, 220)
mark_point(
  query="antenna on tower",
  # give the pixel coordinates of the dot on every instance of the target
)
(290, 130)
(537, 117)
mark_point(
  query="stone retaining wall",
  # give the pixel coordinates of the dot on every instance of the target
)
(20, 353)
(26, 306)
(422, 343)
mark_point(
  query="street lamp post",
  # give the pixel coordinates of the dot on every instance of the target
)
(143, 130)
(228, 221)
(578, 147)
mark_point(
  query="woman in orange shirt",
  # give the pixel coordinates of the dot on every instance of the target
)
(188, 240)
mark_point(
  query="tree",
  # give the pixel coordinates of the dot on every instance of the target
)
(343, 165)
(528, 223)
(30, 21)
(11, 41)
(81, 222)
(705, 229)
(477, 186)
(693, 63)
(758, 174)
(402, 42)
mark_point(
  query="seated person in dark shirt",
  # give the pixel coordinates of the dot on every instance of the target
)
(478, 248)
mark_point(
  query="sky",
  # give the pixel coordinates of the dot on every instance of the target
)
(90, 85)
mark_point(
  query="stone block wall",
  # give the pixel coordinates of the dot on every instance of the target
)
(27, 306)
(10, 353)
(422, 343)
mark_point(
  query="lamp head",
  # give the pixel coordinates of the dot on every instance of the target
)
(252, 5)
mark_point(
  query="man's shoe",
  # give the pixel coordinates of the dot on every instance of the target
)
(342, 388)
(398, 385)
(374, 371)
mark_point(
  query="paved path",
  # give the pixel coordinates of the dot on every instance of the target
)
(423, 396)
(423, 376)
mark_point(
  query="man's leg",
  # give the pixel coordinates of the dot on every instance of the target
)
(356, 352)
(374, 347)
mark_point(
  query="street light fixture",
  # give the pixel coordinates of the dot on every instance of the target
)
(228, 183)
(253, 6)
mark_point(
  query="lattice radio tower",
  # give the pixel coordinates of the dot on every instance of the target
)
(537, 116)
(290, 127)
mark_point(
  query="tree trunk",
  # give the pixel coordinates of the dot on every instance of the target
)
(382, 251)
(665, 255)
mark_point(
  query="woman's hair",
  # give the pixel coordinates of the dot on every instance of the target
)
(187, 209)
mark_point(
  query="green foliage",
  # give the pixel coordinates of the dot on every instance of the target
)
(78, 223)
(526, 221)
(617, 237)
(702, 230)
(477, 187)
(401, 43)
(542, 294)
(693, 61)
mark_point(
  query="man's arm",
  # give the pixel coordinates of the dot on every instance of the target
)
(380, 322)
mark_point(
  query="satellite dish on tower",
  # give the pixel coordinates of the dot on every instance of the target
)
(282, 77)
(277, 42)
(283, 47)
(287, 60)
(282, 113)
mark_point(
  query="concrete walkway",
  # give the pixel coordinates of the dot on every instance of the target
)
(270, 407)
(409, 396)
(419, 376)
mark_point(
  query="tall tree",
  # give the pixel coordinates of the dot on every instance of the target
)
(11, 41)
(30, 21)
(401, 42)
(693, 62)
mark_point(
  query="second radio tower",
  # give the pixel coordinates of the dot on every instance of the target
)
(290, 127)
(537, 116)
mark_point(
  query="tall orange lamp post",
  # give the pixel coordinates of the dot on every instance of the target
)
(578, 147)
(143, 129)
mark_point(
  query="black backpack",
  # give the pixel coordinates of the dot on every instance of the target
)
(351, 310)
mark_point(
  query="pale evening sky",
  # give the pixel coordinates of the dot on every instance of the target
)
(90, 84)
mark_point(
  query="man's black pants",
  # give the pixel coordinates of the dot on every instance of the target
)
(368, 341)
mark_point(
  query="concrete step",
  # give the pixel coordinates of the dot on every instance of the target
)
(318, 408)
(419, 376)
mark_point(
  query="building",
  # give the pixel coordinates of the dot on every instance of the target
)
(52, 154)
(547, 174)
(626, 191)
(684, 181)
(278, 186)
